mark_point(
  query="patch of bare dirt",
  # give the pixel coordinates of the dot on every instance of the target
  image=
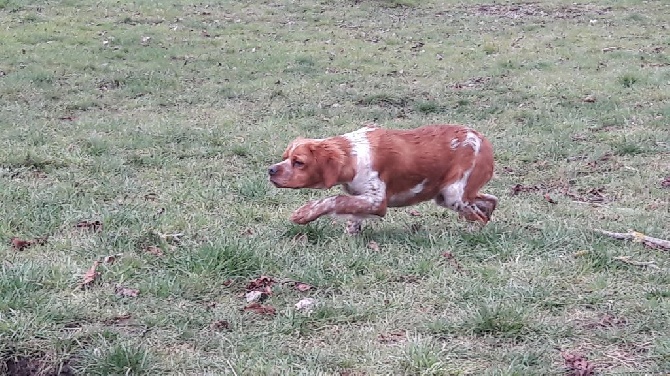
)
(19, 365)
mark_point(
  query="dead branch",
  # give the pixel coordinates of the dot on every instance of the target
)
(639, 237)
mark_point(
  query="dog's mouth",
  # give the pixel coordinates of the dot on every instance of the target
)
(276, 183)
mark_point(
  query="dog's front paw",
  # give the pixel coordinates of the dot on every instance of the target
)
(306, 213)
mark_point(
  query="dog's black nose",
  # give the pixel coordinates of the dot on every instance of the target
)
(272, 170)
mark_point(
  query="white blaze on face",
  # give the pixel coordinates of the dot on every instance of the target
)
(472, 140)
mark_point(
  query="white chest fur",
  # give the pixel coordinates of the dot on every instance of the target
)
(366, 183)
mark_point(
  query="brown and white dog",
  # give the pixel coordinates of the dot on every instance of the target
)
(382, 168)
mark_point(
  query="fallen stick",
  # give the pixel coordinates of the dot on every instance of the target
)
(646, 264)
(638, 237)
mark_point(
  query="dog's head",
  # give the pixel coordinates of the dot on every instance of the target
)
(309, 163)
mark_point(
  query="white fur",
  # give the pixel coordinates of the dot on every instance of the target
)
(403, 197)
(455, 143)
(453, 193)
(472, 140)
(366, 184)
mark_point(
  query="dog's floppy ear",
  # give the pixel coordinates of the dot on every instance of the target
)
(330, 158)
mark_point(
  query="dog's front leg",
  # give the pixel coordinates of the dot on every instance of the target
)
(352, 205)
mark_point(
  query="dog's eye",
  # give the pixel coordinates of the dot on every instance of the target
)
(297, 163)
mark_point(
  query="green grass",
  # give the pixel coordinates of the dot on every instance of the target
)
(162, 117)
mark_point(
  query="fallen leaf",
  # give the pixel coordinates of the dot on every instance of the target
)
(577, 364)
(172, 238)
(252, 296)
(247, 231)
(91, 275)
(300, 238)
(520, 188)
(260, 283)
(111, 259)
(302, 287)
(549, 199)
(20, 244)
(150, 196)
(227, 282)
(666, 182)
(589, 99)
(391, 338)
(261, 309)
(305, 304)
(373, 245)
(220, 325)
(95, 226)
(414, 213)
(126, 292)
(152, 249)
(452, 260)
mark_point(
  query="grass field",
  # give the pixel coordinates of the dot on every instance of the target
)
(143, 130)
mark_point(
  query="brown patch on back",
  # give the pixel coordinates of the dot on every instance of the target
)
(406, 158)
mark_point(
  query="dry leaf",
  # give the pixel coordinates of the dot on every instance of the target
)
(302, 287)
(414, 213)
(126, 292)
(260, 283)
(305, 304)
(20, 244)
(152, 249)
(95, 226)
(252, 296)
(91, 275)
(111, 259)
(666, 182)
(300, 238)
(261, 309)
(577, 364)
(392, 337)
(373, 245)
(549, 199)
(227, 282)
(589, 99)
(247, 231)
(452, 260)
(150, 196)
(220, 325)
(519, 188)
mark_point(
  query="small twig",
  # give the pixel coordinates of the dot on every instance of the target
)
(646, 264)
(638, 237)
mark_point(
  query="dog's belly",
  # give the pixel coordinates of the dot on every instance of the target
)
(423, 191)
